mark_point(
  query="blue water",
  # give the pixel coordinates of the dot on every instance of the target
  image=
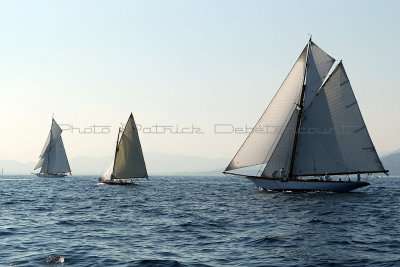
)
(194, 221)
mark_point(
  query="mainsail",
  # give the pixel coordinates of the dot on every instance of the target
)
(261, 142)
(319, 125)
(128, 161)
(53, 158)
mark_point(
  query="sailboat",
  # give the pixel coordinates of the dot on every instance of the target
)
(128, 160)
(312, 129)
(53, 161)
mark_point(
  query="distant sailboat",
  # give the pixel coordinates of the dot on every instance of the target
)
(311, 130)
(53, 159)
(128, 160)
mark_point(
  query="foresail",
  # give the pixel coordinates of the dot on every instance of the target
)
(108, 173)
(281, 156)
(261, 142)
(318, 65)
(129, 161)
(58, 161)
(42, 164)
(46, 146)
(333, 136)
(41, 160)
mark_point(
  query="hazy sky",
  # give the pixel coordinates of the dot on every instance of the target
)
(182, 63)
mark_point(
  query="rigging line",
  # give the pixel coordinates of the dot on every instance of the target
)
(48, 151)
(259, 170)
(115, 156)
(325, 81)
(55, 142)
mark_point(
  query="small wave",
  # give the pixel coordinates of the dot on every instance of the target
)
(324, 213)
(65, 222)
(187, 224)
(394, 244)
(265, 239)
(5, 233)
(158, 263)
(89, 221)
(14, 179)
(341, 242)
(217, 225)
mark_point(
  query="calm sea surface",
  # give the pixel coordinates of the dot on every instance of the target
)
(194, 221)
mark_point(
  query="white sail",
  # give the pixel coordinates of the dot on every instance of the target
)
(58, 161)
(281, 156)
(108, 173)
(129, 161)
(55, 131)
(40, 163)
(53, 158)
(44, 154)
(333, 136)
(43, 164)
(318, 65)
(261, 142)
(46, 145)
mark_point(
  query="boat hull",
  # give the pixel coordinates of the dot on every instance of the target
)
(304, 185)
(116, 182)
(50, 175)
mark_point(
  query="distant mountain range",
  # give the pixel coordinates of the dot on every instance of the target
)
(391, 162)
(164, 164)
(157, 164)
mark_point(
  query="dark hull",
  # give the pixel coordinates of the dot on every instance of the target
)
(275, 184)
(117, 182)
(50, 175)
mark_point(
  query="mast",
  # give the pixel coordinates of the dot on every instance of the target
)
(116, 151)
(300, 106)
(51, 135)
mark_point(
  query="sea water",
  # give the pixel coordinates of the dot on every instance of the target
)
(194, 221)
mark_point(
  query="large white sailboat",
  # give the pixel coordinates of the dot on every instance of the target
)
(128, 160)
(312, 129)
(53, 161)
